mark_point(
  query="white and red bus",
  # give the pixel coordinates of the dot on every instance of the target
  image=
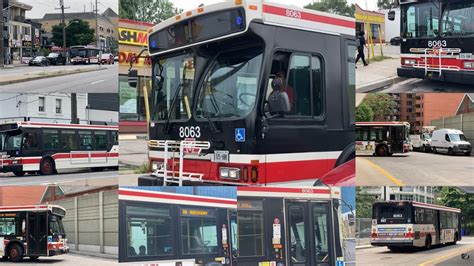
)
(32, 231)
(398, 224)
(84, 55)
(44, 148)
(215, 68)
(382, 138)
(437, 40)
(177, 225)
(288, 227)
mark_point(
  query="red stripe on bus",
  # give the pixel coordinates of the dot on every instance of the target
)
(310, 16)
(285, 190)
(24, 207)
(174, 197)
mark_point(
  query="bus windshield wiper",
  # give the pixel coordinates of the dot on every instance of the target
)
(173, 102)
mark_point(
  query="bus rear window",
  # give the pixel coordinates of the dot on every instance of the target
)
(392, 214)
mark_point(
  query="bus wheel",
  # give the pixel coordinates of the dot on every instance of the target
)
(47, 167)
(34, 258)
(467, 153)
(15, 253)
(381, 151)
(19, 173)
(455, 239)
(428, 242)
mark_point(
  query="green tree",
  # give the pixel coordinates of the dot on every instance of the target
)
(78, 32)
(364, 113)
(364, 203)
(387, 4)
(339, 7)
(381, 105)
(454, 197)
(152, 11)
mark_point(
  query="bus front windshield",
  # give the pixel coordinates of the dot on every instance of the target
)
(11, 142)
(176, 75)
(230, 87)
(458, 19)
(56, 225)
(420, 20)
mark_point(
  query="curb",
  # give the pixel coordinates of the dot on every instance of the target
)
(364, 247)
(379, 84)
(92, 254)
(132, 137)
(3, 83)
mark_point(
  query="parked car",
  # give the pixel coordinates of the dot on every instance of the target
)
(116, 58)
(39, 61)
(396, 40)
(107, 59)
(56, 59)
(450, 141)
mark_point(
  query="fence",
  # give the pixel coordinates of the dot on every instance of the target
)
(363, 231)
(463, 122)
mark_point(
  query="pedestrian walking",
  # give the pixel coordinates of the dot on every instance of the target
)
(360, 42)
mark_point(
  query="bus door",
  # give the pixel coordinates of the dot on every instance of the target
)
(232, 232)
(308, 230)
(397, 137)
(37, 230)
(31, 147)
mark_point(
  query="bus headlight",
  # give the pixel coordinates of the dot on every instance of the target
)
(409, 61)
(229, 173)
(155, 165)
(468, 64)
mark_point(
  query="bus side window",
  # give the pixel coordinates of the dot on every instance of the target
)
(50, 139)
(299, 81)
(68, 140)
(85, 140)
(100, 140)
(7, 226)
(30, 141)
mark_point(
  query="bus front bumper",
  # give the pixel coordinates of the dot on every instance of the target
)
(462, 77)
(11, 168)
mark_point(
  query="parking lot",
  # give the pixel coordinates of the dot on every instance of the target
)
(415, 168)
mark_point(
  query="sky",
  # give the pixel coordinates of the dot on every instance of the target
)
(191, 4)
(41, 7)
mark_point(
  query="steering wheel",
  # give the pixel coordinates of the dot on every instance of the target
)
(246, 94)
(224, 102)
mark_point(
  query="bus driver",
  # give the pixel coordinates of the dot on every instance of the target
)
(278, 101)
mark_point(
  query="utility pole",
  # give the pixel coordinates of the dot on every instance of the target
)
(63, 23)
(96, 24)
(74, 119)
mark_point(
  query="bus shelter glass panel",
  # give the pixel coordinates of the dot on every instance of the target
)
(250, 229)
(150, 231)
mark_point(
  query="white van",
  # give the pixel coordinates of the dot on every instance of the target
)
(450, 141)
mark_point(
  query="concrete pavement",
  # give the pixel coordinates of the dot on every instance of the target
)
(438, 255)
(72, 178)
(133, 151)
(415, 168)
(67, 259)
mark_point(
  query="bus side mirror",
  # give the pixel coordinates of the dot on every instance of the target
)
(391, 15)
(351, 219)
(133, 78)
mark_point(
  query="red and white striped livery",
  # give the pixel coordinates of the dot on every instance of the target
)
(398, 224)
(45, 148)
(32, 231)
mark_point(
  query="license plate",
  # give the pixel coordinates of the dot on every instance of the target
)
(221, 156)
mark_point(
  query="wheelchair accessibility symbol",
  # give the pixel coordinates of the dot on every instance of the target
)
(240, 135)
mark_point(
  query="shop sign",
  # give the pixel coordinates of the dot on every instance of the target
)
(133, 37)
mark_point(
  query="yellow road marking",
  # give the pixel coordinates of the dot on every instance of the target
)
(385, 173)
(447, 256)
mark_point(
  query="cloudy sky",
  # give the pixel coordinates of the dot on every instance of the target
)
(190, 4)
(41, 7)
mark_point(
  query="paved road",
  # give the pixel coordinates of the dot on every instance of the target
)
(133, 152)
(84, 177)
(100, 81)
(414, 85)
(415, 168)
(36, 69)
(435, 256)
(68, 259)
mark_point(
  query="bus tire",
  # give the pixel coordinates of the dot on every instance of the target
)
(47, 166)
(381, 151)
(347, 154)
(428, 242)
(455, 239)
(19, 173)
(15, 252)
(467, 154)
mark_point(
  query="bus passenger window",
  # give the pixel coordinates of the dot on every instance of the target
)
(7, 226)
(30, 141)
(100, 140)
(68, 140)
(50, 139)
(85, 140)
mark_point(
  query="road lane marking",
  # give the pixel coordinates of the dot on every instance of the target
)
(99, 81)
(447, 256)
(385, 173)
